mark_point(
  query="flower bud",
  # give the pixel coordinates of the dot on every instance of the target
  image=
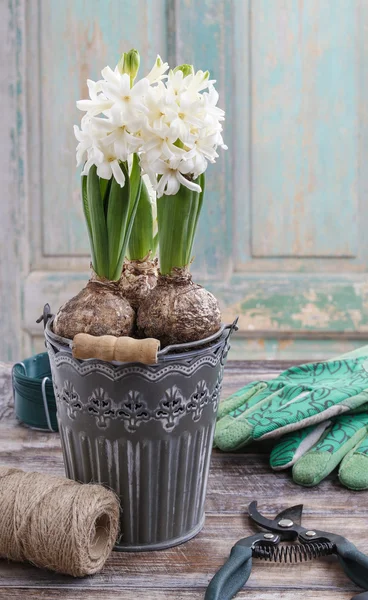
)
(129, 64)
(186, 69)
(203, 75)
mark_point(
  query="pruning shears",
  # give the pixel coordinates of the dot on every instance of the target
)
(311, 544)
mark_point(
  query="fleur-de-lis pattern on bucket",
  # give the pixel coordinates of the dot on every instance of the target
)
(216, 392)
(100, 406)
(171, 408)
(198, 400)
(71, 399)
(133, 411)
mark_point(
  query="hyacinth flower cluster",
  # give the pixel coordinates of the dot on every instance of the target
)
(165, 128)
(171, 120)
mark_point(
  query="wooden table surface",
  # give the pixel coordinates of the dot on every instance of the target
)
(184, 572)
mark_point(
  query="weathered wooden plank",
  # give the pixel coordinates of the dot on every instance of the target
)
(193, 564)
(295, 303)
(305, 90)
(234, 480)
(13, 254)
(267, 66)
(47, 593)
(306, 349)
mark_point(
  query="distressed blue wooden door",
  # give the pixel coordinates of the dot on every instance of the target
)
(282, 239)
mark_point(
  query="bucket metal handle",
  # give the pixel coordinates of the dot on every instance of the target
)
(233, 327)
(17, 364)
(46, 404)
(43, 390)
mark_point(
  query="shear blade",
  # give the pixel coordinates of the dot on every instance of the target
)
(294, 513)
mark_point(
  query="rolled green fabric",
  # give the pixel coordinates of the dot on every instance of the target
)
(314, 452)
(301, 396)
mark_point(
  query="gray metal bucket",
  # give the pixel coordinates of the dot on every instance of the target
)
(144, 431)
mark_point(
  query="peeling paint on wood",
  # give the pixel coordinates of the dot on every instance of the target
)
(297, 303)
(305, 126)
(13, 249)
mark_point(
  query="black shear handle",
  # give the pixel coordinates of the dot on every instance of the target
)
(354, 563)
(232, 576)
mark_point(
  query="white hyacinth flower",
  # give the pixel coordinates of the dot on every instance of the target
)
(89, 137)
(174, 126)
(98, 102)
(116, 87)
(107, 165)
(189, 116)
(159, 108)
(157, 73)
(159, 141)
(172, 177)
(118, 129)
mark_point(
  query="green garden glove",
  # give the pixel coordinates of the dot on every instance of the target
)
(299, 397)
(315, 451)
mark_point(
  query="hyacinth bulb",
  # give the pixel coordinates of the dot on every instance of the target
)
(138, 279)
(178, 310)
(98, 309)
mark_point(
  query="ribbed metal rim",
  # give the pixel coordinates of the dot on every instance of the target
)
(169, 353)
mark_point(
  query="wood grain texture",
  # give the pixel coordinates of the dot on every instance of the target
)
(305, 127)
(47, 593)
(284, 145)
(184, 572)
(13, 249)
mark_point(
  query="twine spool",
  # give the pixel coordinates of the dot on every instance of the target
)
(56, 523)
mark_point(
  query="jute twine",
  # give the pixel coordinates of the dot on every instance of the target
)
(56, 523)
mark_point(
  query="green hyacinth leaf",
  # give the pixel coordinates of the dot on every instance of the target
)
(141, 238)
(98, 223)
(196, 208)
(105, 185)
(117, 215)
(155, 244)
(174, 216)
(87, 217)
(134, 195)
(135, 182)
